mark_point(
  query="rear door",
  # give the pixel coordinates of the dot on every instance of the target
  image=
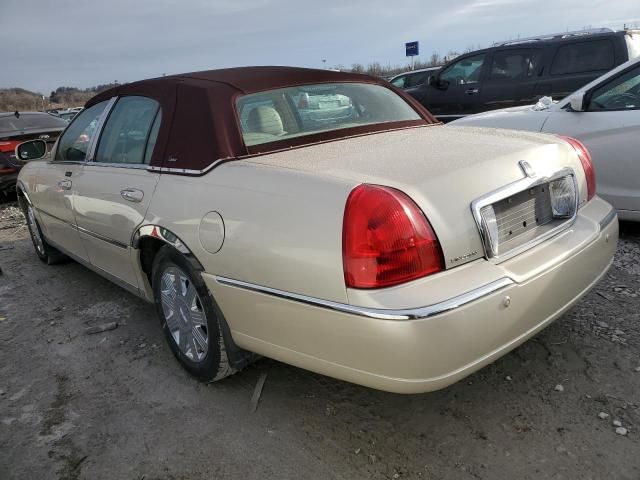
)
(610, 129)
(114, 191)
(573, 65)
(53, 195)
(511, 78)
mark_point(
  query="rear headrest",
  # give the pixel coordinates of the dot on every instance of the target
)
(265, 120)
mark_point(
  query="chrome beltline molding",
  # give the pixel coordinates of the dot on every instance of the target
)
(378, 313)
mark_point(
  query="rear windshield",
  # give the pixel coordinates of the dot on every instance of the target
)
(304, 110)
(30, 121)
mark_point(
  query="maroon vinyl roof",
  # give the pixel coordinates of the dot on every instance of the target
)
(199, 123)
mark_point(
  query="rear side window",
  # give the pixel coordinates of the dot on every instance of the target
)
(583, 57)
(126, 134)
(514, 64)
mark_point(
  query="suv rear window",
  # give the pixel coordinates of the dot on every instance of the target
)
(583, 57)
(304, 110)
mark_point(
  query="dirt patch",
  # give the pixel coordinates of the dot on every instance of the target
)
(117, 404)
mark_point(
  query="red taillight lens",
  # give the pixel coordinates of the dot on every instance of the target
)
(386, 239)
(587, 164)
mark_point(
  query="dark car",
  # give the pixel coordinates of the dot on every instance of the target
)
(16, 128)
(519, 72)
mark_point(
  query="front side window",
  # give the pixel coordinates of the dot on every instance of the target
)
(464, 72)
(509, 65)
(74, 143)
(127, 133)
(400, 81)
(583, 57)
(304, 110)
(416, 79)
(622, 93)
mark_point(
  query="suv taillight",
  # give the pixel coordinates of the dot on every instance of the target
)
(587, 164)
(386, 239)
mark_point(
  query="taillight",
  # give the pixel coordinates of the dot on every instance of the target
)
(386, 239)
(587, 164)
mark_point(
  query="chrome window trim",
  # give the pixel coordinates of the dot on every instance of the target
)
(512, 189)
(137, 166)
(417, 313)
(188, 170)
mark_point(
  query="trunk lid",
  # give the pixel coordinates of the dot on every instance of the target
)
(442, 169)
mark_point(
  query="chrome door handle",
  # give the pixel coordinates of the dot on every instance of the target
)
(471, 91)
(65, 184)
(132, 195)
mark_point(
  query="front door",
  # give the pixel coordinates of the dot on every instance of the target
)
(112, 194)
(55, 181)
(458, 90)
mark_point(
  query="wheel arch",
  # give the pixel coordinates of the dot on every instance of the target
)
(148, 239)
(23, 196)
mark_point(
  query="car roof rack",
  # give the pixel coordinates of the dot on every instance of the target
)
(555, 36)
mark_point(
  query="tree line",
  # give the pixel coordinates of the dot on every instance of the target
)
(19, 99)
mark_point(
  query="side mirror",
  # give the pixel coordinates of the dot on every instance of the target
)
(31, 150)
(577, 102)
(432, 81)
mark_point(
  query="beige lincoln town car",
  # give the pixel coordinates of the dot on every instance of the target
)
(322, 219)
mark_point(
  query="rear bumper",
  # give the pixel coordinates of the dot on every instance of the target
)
(429, 352)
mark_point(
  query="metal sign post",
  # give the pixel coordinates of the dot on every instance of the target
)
(412, 50)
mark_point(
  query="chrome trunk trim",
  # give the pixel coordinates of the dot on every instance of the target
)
(512, 189)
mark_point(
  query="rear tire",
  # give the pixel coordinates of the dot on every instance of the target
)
(45, 252)
(188, 317)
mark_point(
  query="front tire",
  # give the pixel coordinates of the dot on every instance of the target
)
(188, 317)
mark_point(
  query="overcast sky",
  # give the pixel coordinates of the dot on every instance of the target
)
(48, 43)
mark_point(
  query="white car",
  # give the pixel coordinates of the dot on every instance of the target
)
(605, 116)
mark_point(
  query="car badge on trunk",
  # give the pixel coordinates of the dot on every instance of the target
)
(527, 168)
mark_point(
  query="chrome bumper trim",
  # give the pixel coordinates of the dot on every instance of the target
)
(609, 217)
(378, 313)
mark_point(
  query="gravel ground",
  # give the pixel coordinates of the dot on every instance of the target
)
(116, 405)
